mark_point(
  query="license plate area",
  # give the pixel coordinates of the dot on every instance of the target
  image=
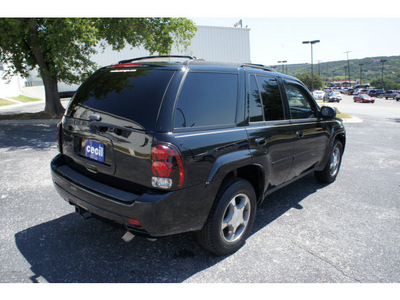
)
(94, 150)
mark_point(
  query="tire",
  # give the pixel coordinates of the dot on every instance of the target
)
(331, 170)
(231, 218)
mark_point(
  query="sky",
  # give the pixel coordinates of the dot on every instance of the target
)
(277, 28)
(275, 39)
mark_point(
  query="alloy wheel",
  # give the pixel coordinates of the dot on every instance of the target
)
(235, 218)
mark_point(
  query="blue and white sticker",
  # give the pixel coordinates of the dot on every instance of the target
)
(94, 150)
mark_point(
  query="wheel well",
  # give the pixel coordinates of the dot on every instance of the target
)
(253, 174)
(342, 139)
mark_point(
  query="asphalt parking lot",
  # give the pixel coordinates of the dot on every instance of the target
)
(347, 232)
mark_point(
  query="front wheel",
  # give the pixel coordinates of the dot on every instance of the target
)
(231, 218)
(331, 170)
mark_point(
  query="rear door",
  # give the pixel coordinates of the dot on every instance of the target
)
(269, 129)
(109, 125)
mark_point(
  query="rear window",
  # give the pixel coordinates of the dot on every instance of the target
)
(134, 94)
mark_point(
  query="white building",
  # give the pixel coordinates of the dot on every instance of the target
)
(225, 44)
(10, 88)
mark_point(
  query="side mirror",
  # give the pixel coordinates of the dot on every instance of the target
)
(328, 112)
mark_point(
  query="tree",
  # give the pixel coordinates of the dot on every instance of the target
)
(306, 79)
(388, 84)
(61, 47)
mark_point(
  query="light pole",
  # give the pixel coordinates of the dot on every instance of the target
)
(348, 66)
(361, 72)
(282, 62)
(312, 72)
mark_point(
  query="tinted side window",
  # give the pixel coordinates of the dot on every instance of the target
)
(207, 99)
(300, 104)
(271, 98)
(255, 106)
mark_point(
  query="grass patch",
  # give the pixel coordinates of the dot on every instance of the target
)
(25, 99)
(5, 102)
(343, 116)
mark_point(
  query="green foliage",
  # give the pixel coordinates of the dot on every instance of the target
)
(388, 84)
(306, 79)
(61, 47)
(370, 69)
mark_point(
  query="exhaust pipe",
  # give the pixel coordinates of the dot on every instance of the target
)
(83, 212)
(128, 237)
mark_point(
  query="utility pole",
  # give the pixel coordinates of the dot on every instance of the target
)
(382, 61)
(361, 72)
(348, 65)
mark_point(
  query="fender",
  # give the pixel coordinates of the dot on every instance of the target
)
(241, 164)
(337, 132)
(228, 163)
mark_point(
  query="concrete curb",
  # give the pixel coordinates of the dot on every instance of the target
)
(352, 120)
(30, 122)
(21, 104)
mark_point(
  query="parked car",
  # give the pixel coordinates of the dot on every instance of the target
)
(380, 93)
(333, 97)
(318, 94)
(360, 91)
(390, 94)
(363, 98)
(397, 98)
(163, 148)
(376, 92)
(362, 86)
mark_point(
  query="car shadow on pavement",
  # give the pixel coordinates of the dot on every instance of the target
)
(22, 135)
(71, 249)
(281, 201)
(397, 120)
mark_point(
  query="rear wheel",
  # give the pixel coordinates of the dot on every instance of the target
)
(231, 218)
(331, 170)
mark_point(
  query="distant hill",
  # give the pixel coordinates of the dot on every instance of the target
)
(370, 69)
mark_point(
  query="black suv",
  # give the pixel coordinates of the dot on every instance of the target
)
(165, 145)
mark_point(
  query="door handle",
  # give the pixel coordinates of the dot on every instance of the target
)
(261, 141)
(300, 134)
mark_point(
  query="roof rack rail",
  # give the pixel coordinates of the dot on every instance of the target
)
(258, 66)
(156, 56)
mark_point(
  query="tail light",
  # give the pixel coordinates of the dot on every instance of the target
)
(166, 166)
(126, 65)
(59, 140)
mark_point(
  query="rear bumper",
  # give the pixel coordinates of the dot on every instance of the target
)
(160, 213)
